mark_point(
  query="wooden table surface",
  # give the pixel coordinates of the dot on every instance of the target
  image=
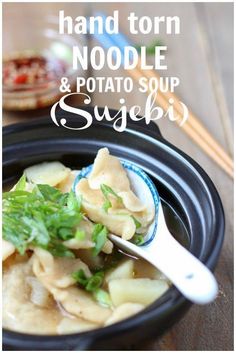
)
(202, 57)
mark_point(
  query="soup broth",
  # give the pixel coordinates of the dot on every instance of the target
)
(61, 273)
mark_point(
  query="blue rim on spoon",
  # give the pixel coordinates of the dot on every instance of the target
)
(150, 186)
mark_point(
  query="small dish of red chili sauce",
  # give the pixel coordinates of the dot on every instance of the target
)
(31, 80)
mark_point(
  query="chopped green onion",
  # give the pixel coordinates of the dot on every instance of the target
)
(80, 277)
(21, 184)
(65, 233)
(80, 234)
(107, 190)
(95, 281)
(99, 237)
(90, 284)
(137, 223)
(59, 250)
(107, 204)
(44, 217)
(52, 194)
(138, 239)
(102, 297)
(74, 202)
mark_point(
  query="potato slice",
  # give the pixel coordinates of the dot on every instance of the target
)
(66, 184)
(123, 312)
(124, 270)
(51, 173)
(144, 269)
(138, 290)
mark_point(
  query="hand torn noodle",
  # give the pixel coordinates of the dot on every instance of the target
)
(54, 275)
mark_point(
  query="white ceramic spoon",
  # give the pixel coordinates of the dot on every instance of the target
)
(193, 279)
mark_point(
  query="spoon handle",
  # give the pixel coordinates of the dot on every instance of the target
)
(193, 279)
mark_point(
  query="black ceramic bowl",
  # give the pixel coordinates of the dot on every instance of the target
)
(181, 183)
